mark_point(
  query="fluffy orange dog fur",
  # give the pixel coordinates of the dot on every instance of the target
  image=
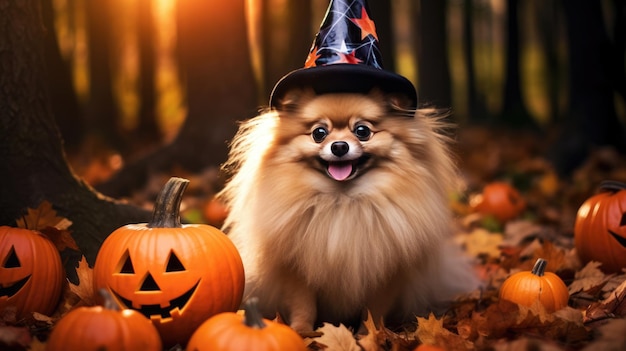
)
(356, 221)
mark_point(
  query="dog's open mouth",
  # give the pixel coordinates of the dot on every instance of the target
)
(344, 170)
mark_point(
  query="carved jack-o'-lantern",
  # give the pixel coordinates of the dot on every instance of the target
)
(176, 275)
(31, 272)
(600, 229)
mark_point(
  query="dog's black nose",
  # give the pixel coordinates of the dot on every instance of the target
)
(339, 148)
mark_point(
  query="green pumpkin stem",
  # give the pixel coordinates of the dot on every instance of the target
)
(612, 186)
(253, 317)
(109, 303)
(166, 213)
(540, 267)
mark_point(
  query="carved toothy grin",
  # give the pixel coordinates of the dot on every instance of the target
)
(13, 288)
(620, 239)
(156, 310)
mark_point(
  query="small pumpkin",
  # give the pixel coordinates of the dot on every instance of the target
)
(232, 332)
(31, 275)
(215, 212)
(600, 227)
(176, 275)
(524, 288)
(500, 200)
(104, 328)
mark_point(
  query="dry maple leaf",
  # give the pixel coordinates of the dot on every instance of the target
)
(612, 307)
(370, 341)
(430, 331)
(45, 219)
(84, 289)
(589, 278)
(42, 217)
(337, 338)
(481, 241)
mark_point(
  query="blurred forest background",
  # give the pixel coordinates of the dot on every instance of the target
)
(130, 76)
(131, 92)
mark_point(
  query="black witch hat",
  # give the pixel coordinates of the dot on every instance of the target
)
(345, 58)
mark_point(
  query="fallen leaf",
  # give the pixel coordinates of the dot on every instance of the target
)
(430, 331)
(42, 217)
(84, 289)
(612, 307)
(62, 238)
(588, 278)
(370, 341)
(337, 338)
(481, 241)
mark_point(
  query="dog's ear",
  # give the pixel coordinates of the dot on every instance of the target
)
(294, 98)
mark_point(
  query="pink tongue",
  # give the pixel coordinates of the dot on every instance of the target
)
(340, 170)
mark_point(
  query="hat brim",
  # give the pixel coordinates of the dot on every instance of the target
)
(344, 78)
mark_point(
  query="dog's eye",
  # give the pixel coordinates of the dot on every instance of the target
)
(362, 132)
(319, 134)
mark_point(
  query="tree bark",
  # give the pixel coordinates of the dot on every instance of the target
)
(33, 166)
(147, 132)
(65, 105)
(220, 89)
(432, 50)
(514, 111)
(592, 119)
(101, 113)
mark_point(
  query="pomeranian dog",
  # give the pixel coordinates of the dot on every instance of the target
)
(339, 205)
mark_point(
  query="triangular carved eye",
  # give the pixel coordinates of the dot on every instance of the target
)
(174, 264)
(126, 264)
(12, 260)
(623, 221)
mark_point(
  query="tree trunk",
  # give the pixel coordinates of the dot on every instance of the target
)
(592, 119)
(147, 132)
(285, 40)
(514, 112)
(220, 89)
(33, 167)
(476, 109)
(65, 106)
(432, 51)
(101, 114)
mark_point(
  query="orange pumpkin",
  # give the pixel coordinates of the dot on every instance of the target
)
(499, 200)
(215, 212)
(600, 228)
(176, 275)
(104, 328)
(32, 275)
(525, 288)
(232, 332)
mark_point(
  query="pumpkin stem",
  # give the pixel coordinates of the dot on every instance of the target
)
(253, 318)
(540, 267)
(109, 302)
(612, 185)
(166, 213)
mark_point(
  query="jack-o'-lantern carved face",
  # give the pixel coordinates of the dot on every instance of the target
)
(600, 229)
(176, 287)
(176, 275)
(31, 272)
(13, 265)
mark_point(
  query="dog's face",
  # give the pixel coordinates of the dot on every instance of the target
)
(341, 136)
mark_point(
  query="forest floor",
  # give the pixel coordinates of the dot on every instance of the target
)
(595, 317)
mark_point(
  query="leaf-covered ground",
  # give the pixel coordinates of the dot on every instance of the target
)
(595, 318)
